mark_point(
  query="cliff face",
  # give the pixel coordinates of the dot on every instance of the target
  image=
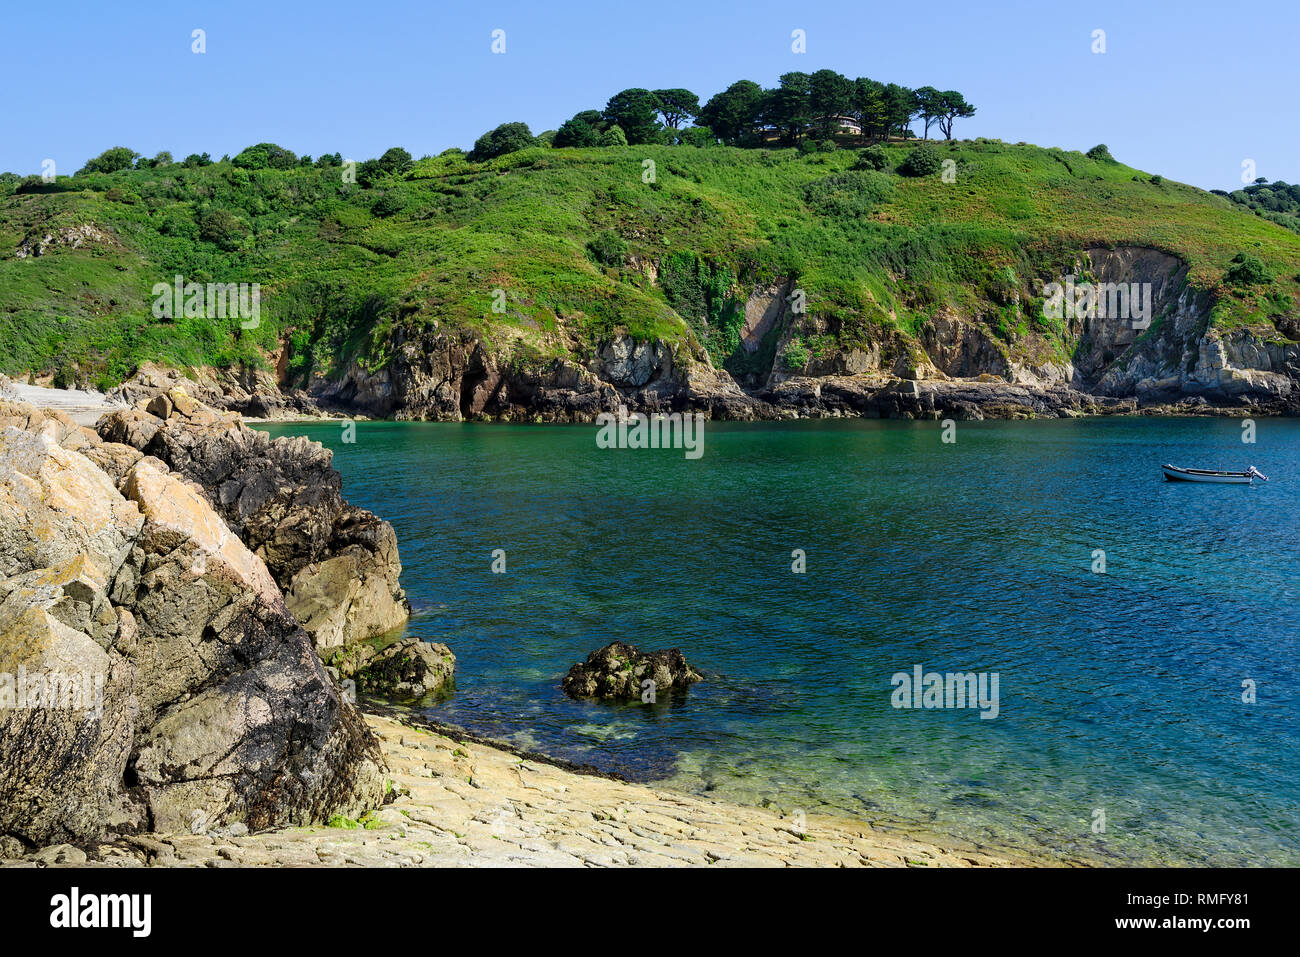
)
(151, 674)
(954, 362)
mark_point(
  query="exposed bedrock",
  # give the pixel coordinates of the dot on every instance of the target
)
(337, 564)
(440, 376)
(151, 676)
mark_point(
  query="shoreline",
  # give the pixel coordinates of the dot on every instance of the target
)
(925, 400)
(456, 800)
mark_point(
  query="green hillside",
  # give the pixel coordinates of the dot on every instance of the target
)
(581, 245)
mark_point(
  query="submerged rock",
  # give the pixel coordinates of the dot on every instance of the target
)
(620, 671)
(151, 676)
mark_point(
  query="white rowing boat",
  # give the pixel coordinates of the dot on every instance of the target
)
(1174, 474)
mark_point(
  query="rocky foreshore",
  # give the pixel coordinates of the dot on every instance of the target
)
(458, 803)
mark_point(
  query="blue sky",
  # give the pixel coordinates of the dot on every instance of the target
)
(1188, 90)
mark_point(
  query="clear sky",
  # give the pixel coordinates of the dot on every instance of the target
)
(1186, 89)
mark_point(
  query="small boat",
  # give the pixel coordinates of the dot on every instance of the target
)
(1174, 474)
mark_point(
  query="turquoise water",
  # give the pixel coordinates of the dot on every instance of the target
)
(1119, 692)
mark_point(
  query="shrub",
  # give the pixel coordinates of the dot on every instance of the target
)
(1100, 153)
(607, 248)
(700, 136)
(1246, 270)
(853, 193)
(614, 136)
(874, 157)
(390, 204)
(220, 226)
(807, 146)
(925, 160)
(796, 355)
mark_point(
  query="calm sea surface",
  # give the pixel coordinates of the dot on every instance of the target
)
(1119, 693)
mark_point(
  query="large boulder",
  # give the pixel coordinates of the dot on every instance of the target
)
(620, 671)
(337, 564)
(150, 672)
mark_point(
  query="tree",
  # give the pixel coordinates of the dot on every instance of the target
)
(929, 103)
(788, 108)
(636, 113)
(506, 138)
(576, 132)
(110, 161)
(395, 160)
(266, 156)
(676, 106)
(869, 107)
(733, 113)
(830, 97)
(1101, 153)
(195, 160)
(900, 108)
(952, 105)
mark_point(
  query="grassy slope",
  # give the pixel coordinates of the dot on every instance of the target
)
(336, 276)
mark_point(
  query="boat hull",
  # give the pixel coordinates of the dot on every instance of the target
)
(1175, 474)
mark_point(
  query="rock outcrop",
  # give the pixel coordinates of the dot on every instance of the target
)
(408, 668)
(621, 671)
(436, 376)
(337, 564)
(151, 676)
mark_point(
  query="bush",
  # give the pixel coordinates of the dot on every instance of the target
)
(807, 146)
(220, 226)
(196, 160)
(614, 136)
(608, 249)
(853, 193)
(795, 355)
(925, 160)
(390, 204)
(874, 157)
(1246, 270)
(1100, 153)
(698, 136)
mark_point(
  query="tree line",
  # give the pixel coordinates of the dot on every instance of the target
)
(803, 105)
